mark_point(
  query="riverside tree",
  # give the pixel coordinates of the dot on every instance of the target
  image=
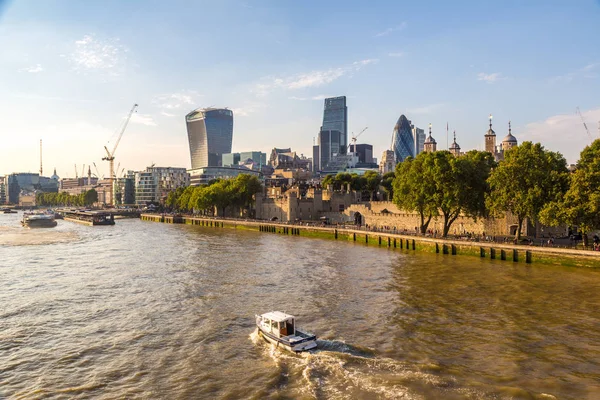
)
(580, 206)
(439, 182)
(410, 191)
(460, 184)
(387, 182)
(529, 178)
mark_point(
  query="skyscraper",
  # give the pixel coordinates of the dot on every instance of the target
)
(329, 144)
(335, 118)
(419, 138)
(403, 142)
(210, 134)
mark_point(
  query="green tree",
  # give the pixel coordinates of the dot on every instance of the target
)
(411, 193)
(372, 180)
(387, 182)
(580, 206)
(529, 178)
(460, 184)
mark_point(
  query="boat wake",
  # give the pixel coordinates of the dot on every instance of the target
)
(337, 370)
(10, 236)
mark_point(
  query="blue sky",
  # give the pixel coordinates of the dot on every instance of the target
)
(71, 70)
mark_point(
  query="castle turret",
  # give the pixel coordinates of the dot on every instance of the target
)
(454, 147)
(490, 139)
(430, 144)
(509, 140)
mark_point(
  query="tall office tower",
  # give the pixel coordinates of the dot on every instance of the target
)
(316, 165)
(419, 139)
(403, 142)
(210, 134)
(364, 152)
(335, 118)
(329, 145)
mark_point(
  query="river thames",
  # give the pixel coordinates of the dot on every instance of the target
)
(150, 310)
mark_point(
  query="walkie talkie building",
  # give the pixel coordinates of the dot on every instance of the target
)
(210, 135)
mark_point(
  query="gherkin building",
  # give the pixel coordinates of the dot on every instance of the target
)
(403, 142)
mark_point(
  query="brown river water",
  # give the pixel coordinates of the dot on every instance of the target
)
(148, 310)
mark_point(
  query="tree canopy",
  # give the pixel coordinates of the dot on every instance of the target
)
(220, 194)
(527, 180)
(439, 182)
(86, 198)
(580, 205)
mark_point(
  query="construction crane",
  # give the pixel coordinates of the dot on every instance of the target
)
(83, 171)
(97, 172)
(110, 156)
(356, 137)
(76, 176)
(584, 124)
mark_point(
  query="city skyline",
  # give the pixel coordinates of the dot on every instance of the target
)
(71, 71)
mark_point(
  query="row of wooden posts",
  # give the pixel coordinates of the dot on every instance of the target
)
(284, 230)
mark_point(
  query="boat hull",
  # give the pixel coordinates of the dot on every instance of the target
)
(309, 342)
(43, 223)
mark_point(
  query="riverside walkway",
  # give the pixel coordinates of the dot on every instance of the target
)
(452, 247)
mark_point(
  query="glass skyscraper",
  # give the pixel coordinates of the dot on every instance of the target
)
(210, 134)
(335, 118)
(403, 142)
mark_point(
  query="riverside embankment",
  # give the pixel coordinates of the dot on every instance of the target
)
(504, 252)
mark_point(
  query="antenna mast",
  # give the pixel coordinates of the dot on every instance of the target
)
(41, 169)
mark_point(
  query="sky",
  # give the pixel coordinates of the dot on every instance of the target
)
(70, 71)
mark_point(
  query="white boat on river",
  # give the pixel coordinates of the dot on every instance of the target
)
(280, 329)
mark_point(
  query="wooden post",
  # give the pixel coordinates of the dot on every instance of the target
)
(481, 252)
(453, 250)
(492, 253)
(437, 247)
(445, 248)
(528, 257)
(367, 239)
(414, 245)
(515, 255)
(503, 255)
(335, 233)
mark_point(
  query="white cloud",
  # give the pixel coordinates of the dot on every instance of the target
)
(317, 97)
(563, 132)
(309, 79)
(181, 102)
(489, 78)
(247, 109)
(589, 72)
(397, 54)
(143, 119)
(391, 30)
(91, 53)
(34, 69)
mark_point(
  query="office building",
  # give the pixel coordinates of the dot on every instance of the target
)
(210, 135)
(27, 182)
(154, 184)
(329, 146)
(2, 190)
(335, 118)
(364, 153)
(419, 139)
(388, 162)
(230, 159)
(403, 142)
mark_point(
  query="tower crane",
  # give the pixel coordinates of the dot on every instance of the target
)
(584, 124)
(353, 140)
(97, 172)
(83, 171)
(110, 156)
(76, 176)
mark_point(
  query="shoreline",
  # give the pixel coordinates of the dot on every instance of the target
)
(521, 254)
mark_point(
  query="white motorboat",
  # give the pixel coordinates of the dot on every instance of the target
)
(280, 329)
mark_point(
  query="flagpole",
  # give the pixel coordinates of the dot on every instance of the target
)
(447, 146)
